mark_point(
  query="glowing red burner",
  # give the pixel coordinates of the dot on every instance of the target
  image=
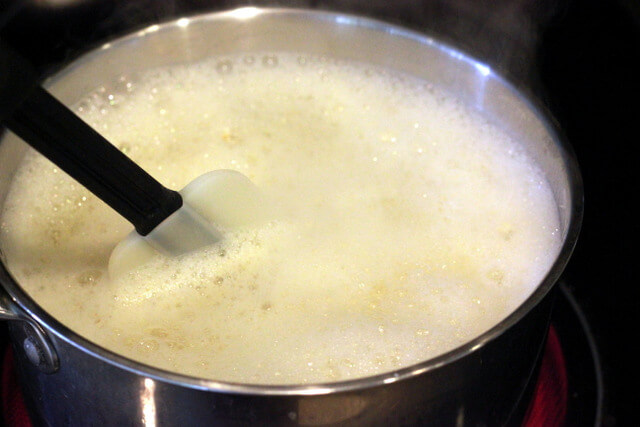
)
(549, 405)
(14, 411)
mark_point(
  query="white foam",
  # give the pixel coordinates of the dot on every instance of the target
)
(404, 225)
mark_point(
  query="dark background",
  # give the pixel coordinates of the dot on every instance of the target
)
(580, 57)
(590, 69)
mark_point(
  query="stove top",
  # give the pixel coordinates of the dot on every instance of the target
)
(568, 390)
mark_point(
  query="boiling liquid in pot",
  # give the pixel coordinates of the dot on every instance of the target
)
(402, 223)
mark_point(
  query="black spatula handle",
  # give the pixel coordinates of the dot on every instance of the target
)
(61, 136)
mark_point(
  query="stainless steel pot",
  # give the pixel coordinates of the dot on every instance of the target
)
(70, 381)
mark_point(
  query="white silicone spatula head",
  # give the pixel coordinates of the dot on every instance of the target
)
(225, 198)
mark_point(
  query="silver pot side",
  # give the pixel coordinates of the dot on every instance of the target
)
(481, 382)
(489, 386)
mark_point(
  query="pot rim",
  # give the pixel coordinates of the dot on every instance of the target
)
(31, 309)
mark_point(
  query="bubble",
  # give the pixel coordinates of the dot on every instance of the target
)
(124, 147)
(159, 332)
(270, 61)
(149, 345)
(83, 106)
(123, 85)
(89, 277)
(496, 275)
(224, 67)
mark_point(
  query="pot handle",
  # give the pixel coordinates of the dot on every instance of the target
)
(37, 346)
